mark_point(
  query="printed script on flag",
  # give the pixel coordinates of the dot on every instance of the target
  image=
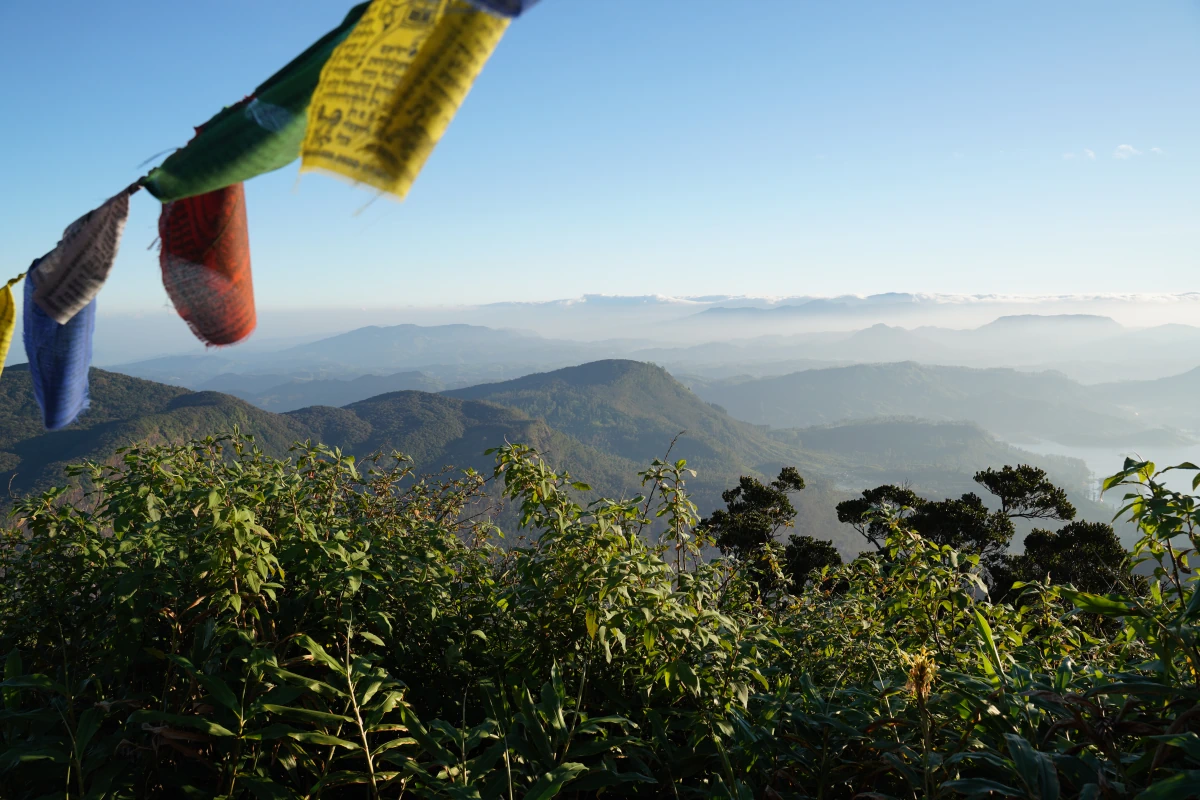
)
(388, 93)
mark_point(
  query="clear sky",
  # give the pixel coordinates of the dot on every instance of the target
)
(681, 147)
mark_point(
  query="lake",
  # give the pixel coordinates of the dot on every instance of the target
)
(1104, 461)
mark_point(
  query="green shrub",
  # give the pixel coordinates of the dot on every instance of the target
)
(217, 623)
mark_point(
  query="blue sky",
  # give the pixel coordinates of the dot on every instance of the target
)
(681, 147)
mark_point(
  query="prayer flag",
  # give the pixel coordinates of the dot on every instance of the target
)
(59, 357)
(205, 262)
(8, 319)
(260, 134)
(388, 93)
(71, 275)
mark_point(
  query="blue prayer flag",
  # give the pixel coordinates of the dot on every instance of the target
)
(59, 357)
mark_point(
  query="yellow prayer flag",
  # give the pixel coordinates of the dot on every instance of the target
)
(8, 319)
(388, 93)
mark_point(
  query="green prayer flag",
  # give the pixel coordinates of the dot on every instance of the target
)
(260, 134)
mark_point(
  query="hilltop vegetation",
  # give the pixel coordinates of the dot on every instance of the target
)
(231, 625)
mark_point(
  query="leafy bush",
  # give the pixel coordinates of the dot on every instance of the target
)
(218, 623)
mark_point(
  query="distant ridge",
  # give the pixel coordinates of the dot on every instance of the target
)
(604, 421)
(298, 393)
(1032, 320)
(810, 308)
(1017, 406)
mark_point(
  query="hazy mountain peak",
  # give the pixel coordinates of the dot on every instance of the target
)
(593, 373)
(1046, 320)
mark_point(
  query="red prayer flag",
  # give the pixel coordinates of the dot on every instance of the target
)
(205, 261)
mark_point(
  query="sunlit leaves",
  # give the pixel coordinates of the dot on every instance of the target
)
(215, 622)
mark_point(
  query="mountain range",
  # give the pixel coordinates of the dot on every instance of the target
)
(1086, 348)
(1015, 405)
(604, 421)
(860, 374)
(1174, 400)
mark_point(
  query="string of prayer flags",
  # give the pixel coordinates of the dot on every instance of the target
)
(368, 101)
(259, 134)
(59, 356)
(71, 275)
(389, 91)
(8, 318)
(205, 260)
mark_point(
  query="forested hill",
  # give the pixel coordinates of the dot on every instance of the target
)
(635, 410)
(603, 421)
(122, 410)
(437, 432)
(434, 430)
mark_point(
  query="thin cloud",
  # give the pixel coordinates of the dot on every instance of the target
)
(1126, 151)
(1068, 156)
(1158, 151)
(1089, 154)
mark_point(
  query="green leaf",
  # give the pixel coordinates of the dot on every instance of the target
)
(306, 714)
(1187, 742)
(589, 620)
(342, 778)
(1180, 786)
(12, 669)
(218, 690)
(985, 630)
(1036, 769)
(552, 782)
(602, 779)
(1110, 605)
(39, 682)
(427, 742)
(199, 723)
(276, 730)
(372, 638)
(318, 653)
(597, 745)
(312, 685)
(265, 788)
(392, 744)
(982, 786)
(315, 737)
(89, 723)
(23, 753)
(554, 695)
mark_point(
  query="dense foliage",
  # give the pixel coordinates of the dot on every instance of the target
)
(215, 622)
